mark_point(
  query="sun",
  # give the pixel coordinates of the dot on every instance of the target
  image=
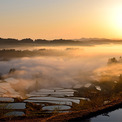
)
(116, 18)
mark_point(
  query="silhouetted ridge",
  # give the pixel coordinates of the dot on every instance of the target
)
(27, 40)
(8, 40)
(42, 41)
(82, 41)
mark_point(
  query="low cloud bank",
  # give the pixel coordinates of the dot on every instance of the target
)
(51, 72)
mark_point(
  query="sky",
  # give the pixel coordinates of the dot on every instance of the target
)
(55, 19)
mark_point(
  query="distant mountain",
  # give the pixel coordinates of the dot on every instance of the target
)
(82, 41)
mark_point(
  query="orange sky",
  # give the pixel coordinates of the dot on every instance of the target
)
(69, 19)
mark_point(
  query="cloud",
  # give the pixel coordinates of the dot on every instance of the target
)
(68, 71)
(108, 73)
(50, 72)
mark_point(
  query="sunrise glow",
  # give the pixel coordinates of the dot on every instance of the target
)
(69, 19)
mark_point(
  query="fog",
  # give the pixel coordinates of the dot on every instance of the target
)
(51, 72)
(72, 70)
(108, 73)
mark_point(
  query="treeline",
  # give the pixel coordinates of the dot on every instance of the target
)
(6, 54)
(29, 40)
(114, 60)
(82, 41)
